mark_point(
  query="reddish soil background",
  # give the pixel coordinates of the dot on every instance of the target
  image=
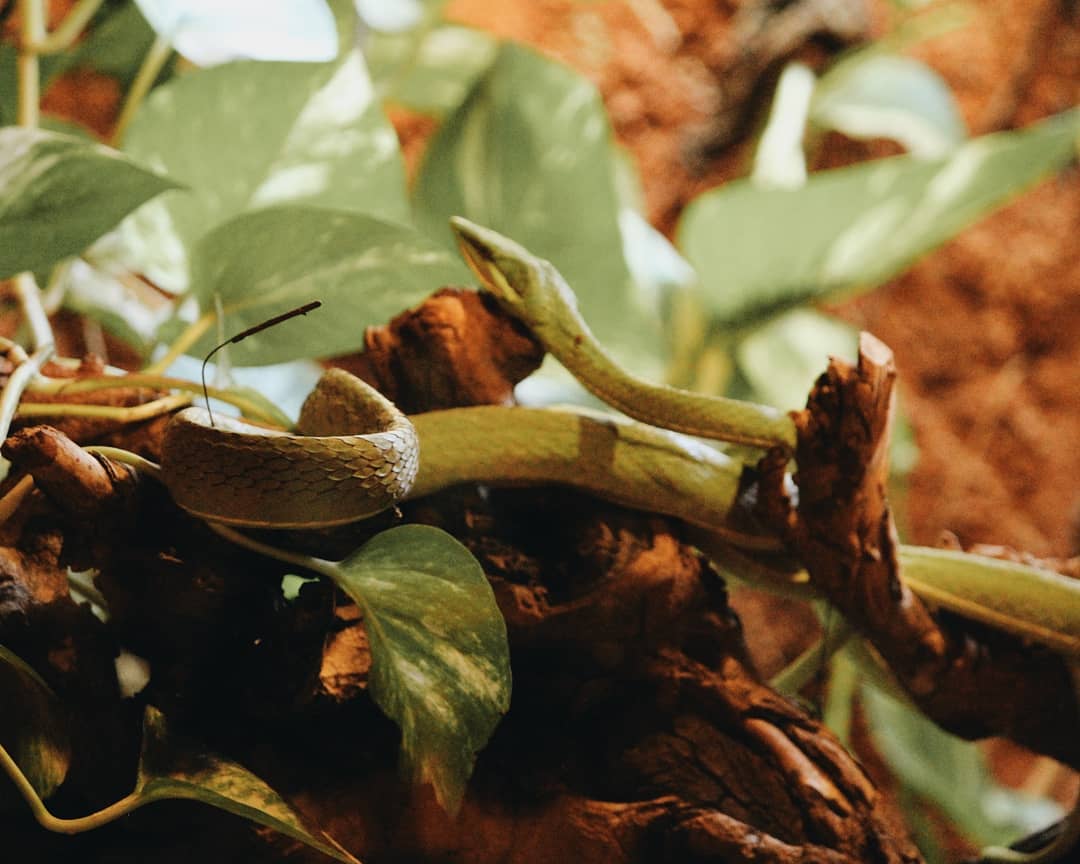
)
(986, 330)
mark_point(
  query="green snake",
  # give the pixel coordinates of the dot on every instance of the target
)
(356, 455)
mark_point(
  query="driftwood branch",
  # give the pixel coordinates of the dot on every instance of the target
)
(970, 680)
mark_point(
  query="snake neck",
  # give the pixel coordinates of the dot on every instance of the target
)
(569, 339)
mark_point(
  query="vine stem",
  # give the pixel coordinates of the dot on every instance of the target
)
(306, 562)
(17, 383)
(126, 457)
(54, 823)
(67, 386)
(185, 340)
(64, 36)
(28, 68)
(126, 414)
(144, 79)
(29, 114)
(796, 675)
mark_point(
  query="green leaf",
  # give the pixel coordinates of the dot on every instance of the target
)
(440, 661)
(952, 774)
(32, 727)
(173, 768)
(59, 193)
(430, 71)
(247, 135)
(782, 359)
(363, 270)
(761, 250)
(529, 154)
(885, 96)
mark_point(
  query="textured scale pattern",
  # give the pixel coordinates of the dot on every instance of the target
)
(357, 455)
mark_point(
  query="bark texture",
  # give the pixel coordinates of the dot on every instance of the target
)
(843, 532)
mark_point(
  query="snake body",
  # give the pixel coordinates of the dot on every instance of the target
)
(618, 460)
(356, 455)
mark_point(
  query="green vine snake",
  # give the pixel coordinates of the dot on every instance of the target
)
(238, 473)
(337, 470)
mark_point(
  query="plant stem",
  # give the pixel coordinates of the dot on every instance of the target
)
(29, 114)
(185, 340)
(153, 62)
(29, 296)
(11, 499)
(64, 36)
(126, 457)
(793, 677)
(29, 72)
(17, 382)
(130, 414)
(306, 562)
(248, 407)
(64, 826)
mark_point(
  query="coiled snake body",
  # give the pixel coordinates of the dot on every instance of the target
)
(235, 472)
(356, 454)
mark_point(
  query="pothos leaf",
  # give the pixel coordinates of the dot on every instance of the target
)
(60, 193)
(321, 140)
(529, 153)
(440, 660)
(173, 768)
(951, 773)
(363, 270)
(32, 727)
(759, 250)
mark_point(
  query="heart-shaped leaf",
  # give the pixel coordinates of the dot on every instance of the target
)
(952, 773)
(320, 140)
(886, 96)
(759, 251)
(429, 70)
(59, 193)
(530, 154)
(32, 727)
(171, 767)
(362, 269)
(440, 661)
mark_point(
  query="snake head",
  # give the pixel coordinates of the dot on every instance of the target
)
(517, 278)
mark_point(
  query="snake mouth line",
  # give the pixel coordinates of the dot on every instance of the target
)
(481, 253)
